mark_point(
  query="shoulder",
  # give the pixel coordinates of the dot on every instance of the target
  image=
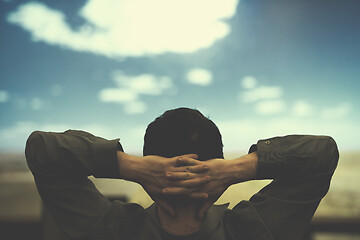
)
(122, 221)
(243, 221)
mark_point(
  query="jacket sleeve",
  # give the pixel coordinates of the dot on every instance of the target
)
(61, 164)
(301, 168)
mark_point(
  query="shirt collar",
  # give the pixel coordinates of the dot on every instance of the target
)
(211, 222)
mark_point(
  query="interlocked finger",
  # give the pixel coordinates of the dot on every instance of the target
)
(194, 169)
(186, 161)
(181, 175)
(197, 168)
(193, 183)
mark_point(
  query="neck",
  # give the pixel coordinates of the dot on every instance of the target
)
(184, 222)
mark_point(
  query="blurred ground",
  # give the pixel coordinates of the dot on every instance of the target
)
(19, 200)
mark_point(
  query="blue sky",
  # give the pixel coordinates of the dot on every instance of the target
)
(257, 68)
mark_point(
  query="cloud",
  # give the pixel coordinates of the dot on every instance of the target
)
(130, 88)
(270, 107)
(301, 108)
(248, 82)
(56, 90)
(36, 104)
(4, 96)
(267, 100)
(135, 107)
(117, 95)
(199, 76)
(143, 84)
(336, 112)
(130, 27)
(261, 93)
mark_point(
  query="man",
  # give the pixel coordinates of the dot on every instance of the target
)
(183, 171)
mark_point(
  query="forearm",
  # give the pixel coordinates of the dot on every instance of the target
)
(242, 169)
(283, 157)
(129, 166)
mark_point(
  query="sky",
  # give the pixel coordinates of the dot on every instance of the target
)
(258, 69)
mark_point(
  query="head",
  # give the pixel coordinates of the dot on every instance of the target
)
(183, 131)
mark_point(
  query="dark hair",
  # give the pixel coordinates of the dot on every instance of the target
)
(183, 131)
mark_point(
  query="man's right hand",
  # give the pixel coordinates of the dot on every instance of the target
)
(219, 176)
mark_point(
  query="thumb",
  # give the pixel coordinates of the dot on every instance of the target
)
(192, 155)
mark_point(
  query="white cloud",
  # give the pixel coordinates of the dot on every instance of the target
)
(301, 108)
(117, 95)
(4, 96)
(131, 27)
(248, 82)
(135, 107)
(130, 88)
(261, 93)
(338, 111)
(36, 103)
(143, 84)
(199, 76)
(270, 107)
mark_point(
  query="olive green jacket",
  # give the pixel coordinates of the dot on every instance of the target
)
(301, 166)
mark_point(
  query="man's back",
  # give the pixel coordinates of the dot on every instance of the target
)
(302, 167)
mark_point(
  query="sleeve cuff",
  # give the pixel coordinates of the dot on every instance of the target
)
(270, 160)
(105, 159)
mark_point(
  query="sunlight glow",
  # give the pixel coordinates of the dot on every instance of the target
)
(119, 29)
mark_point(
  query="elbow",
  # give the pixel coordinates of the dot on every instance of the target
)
(332, 154)
(34, 149)
(34, 141)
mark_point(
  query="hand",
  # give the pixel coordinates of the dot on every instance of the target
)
(219, 180)
(220, 176)
(152, 173)
(221, 173)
